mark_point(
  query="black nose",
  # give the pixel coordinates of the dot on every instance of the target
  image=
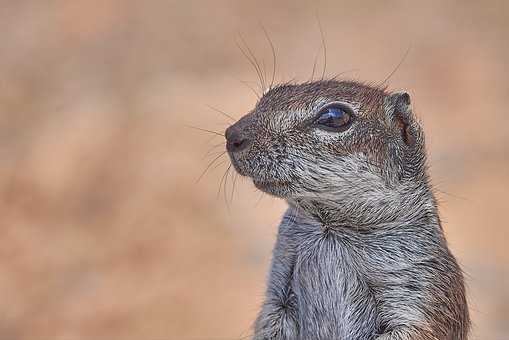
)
(236, 139)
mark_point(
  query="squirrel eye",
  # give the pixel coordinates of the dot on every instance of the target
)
(333, 118)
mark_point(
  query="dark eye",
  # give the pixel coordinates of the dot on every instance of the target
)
(334, 118)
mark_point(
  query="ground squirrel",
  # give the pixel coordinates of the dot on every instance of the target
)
(360, 253)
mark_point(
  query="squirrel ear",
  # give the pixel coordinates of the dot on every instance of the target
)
(399, 109)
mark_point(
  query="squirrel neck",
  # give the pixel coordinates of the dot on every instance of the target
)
(413, 203)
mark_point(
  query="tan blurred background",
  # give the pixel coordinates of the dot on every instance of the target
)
(105, 233)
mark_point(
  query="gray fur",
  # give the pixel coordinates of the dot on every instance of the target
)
(360, 253)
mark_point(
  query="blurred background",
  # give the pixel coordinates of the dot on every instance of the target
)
(105, 231)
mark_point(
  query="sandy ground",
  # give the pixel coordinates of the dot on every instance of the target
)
(105, 232)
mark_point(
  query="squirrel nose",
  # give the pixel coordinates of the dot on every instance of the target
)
(236, 140)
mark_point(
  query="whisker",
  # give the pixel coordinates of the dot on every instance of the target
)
(264, 75)
(255, 66)
(210, 153)
(219, 144)
(212, 148)
(235, 175)
(246, 83)
(225, 187)
(209, 140)
(219, 164)
(208, 166)
(274, 59)
(397, 66)
(220, 184)
(259, 198)
(224, 178)
(205, 130)
(449, 194)
(256, 63)
(314, 64)
(221, 112)
(337, 75)
(322, 35)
